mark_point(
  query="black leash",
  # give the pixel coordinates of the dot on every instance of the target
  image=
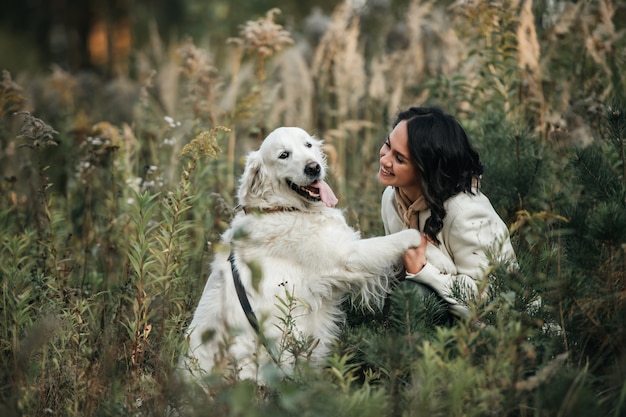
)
(243, 298)
(247, 308)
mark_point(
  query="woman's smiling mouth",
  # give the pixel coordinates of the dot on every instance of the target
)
(383, 171)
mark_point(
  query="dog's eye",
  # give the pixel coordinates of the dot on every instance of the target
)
(284, 155)
(308, 144)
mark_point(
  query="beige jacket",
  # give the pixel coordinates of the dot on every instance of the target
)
(473, 237)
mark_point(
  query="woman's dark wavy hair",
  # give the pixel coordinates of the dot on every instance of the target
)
(447, 162)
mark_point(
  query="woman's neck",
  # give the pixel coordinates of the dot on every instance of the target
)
(412, 193)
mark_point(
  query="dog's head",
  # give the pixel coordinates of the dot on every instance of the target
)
(287, 171)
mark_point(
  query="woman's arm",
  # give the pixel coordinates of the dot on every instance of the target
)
(473, 236)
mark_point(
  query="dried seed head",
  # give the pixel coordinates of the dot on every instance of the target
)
(263, 36)
(36, 132)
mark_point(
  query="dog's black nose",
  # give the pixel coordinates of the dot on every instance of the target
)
(312, 169)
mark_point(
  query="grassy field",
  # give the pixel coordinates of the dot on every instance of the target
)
(115, 192)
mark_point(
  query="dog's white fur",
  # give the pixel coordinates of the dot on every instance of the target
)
(298, 248)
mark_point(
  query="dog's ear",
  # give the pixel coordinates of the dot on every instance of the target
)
(253, 179)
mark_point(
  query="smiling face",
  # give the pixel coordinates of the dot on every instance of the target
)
(296, 159)
(287, 171)
(397, 168)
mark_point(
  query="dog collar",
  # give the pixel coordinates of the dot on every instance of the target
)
(258, 210)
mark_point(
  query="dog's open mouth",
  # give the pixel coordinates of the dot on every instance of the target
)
(310, 192)
(316, 191)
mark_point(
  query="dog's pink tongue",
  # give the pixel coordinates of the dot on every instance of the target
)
(327, 195)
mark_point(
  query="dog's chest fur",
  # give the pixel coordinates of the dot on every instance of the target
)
(296, 253)
(308, 239)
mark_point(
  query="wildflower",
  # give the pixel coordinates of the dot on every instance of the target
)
(263, 35)
(146, 185)
(134, 183)
(36, 131)
(204, 145)
(12, 98)
(171, 122)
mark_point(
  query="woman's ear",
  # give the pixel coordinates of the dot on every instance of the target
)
(253, 179)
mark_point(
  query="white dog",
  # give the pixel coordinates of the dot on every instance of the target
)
(296, 260)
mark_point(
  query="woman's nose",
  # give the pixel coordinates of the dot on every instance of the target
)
(383, 156)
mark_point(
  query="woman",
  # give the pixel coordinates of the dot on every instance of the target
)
(432, 175)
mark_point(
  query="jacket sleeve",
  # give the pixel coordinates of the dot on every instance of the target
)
(472, 235)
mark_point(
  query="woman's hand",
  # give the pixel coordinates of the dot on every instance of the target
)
(415, 258)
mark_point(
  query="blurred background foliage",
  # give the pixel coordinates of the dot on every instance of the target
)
(100, 34)
(123, 128)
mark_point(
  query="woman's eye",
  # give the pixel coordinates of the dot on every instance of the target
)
(284, 155)
(308, 144)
